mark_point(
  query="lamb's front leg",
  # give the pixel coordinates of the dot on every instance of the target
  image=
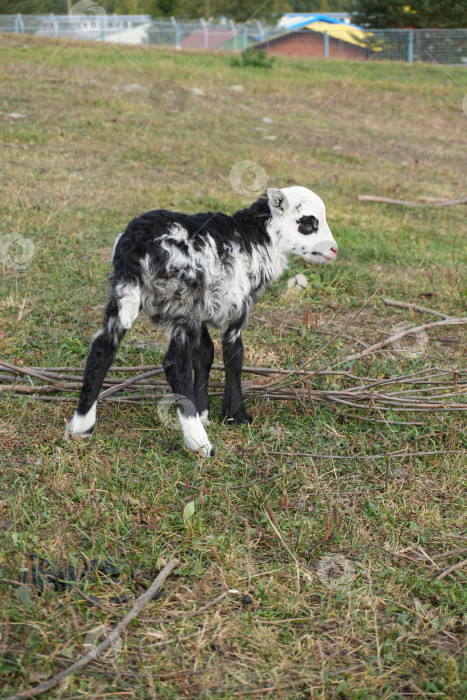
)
(233, 407)
(178, 369)
(203, 356)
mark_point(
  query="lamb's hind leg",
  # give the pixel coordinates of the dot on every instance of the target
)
(121, 310)
(178, 369)
(203, 356)
(233, 407)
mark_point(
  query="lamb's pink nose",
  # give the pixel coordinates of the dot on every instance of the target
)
(331, 252)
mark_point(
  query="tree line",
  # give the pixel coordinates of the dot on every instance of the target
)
(375, 14)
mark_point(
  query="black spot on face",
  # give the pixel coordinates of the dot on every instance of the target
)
(308, 225)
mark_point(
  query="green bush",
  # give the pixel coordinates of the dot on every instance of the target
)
(258, 59)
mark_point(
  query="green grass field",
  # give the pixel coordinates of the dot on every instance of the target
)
(83, 159)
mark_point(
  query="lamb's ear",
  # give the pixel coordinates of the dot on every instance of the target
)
(277, 200)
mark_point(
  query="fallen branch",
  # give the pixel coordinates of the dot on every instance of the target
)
(398, 336)
(451, 202)
(385, 200)
(424, 201)
(31, 373)
(451, 553)
(414, 307)
(129, 382)
(113, 636)
(454, 567)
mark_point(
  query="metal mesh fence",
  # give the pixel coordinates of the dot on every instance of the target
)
(448, 46)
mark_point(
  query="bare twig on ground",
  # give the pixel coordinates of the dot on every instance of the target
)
(30, 373)
(451, 553)
(414, 307)
(112, 637)
(423, 201)
(130, 382)
(398, 336)
(454, 567)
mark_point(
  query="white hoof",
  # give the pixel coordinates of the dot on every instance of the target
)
(81, 426)
(195, 436)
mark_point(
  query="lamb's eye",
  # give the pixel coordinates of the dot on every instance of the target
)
(307, 225)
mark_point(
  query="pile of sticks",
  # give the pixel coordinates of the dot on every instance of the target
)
(434, 389)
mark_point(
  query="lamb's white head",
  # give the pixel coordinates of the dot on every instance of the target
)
(298, 219)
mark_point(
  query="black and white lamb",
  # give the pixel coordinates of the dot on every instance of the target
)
(190, 271)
